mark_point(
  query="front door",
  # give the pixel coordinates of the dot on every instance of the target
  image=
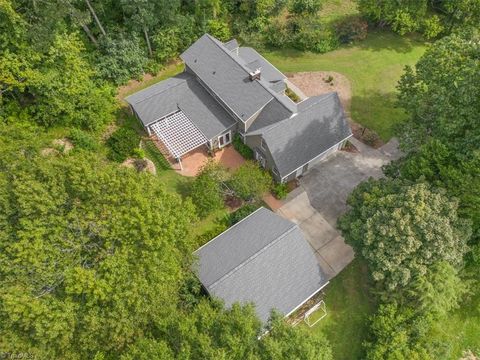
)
(224, 139)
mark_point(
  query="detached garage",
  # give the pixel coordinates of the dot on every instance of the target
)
(265, 260)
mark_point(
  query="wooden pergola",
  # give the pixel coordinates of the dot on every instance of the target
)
(179, 134)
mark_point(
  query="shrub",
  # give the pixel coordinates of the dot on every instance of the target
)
(305, 7)
(280, 191)
(250, 181)
(122, 144)
(351, 29)
(217, 229)
(315, 39)
(243, 149)
(432, 27)
(82, 140)
(293, 96)
(219, 29)
(139, 153)
(206, 191)
(241, 213)
(276, 35)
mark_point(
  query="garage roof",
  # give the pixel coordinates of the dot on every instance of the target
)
(263, 259)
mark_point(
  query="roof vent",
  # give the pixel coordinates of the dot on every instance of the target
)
(255, 75)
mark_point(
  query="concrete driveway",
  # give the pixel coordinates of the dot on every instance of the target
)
(321, 199)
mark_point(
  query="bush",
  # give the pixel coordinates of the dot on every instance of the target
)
(351, 29)
(276, 35)
(139, 153)
(250, 181)
(280, 191)
(122, 144)
(241, 213)
(305, 7)
(293, 96)
(120, 59)
(206, 190)
(243, 149)
(315, 39)
(82, 140)
(219, 29)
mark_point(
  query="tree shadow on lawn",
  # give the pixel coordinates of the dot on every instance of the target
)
(379, 112)
(381, 39)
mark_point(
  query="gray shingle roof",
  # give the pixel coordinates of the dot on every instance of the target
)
(185, 93)
(320, 125)
(269, 72)
(263, 259)
(227, 76)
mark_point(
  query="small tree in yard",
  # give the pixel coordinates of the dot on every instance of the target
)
(206, 191)
(250, 181)
(402, 230)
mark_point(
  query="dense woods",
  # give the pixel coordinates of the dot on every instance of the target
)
(95, 259)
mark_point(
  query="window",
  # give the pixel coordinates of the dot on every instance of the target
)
(263, 145)
(275, 171)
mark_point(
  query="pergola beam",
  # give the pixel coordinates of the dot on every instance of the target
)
(179, 134)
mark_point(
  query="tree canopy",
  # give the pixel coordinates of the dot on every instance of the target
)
(403, 229)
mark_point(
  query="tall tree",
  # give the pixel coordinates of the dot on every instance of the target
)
(402, 229)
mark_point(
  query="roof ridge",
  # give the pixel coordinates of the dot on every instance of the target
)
(322, 97)
(278, 123)
(244, 67)
(252, 257)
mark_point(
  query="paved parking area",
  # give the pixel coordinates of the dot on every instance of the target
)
(321, 200)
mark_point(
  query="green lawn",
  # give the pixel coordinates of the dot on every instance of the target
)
(373, 66)
(460, 330)
(349, 305)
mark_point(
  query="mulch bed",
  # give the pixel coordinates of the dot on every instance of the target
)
(233, 203)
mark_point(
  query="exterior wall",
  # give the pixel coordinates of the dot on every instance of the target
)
(254, 143)
(313, 162)
(250, 121)
(213, 143)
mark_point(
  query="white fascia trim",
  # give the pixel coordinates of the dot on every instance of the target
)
(348, 137)
(231, 227)
(308, 298)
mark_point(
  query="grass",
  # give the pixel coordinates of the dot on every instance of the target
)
(349, 305)
(333, 10)
(373, 67)
(460, 330)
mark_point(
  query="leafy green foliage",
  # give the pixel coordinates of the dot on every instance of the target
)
(152, 152)
(351, 29)
(122, 143)
(83, 140)
(280, 190)
(206, 190)
(292, 95)
(442, 95)
(305, 7)
(243, 149)
(249, 181)
(85, 244)
(403, 229)
(432, 18)
(121, 59)
(219, 29)
(397, 333)
(242, 213)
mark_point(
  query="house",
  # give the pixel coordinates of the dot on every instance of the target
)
(263, 259)
(227, 89)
